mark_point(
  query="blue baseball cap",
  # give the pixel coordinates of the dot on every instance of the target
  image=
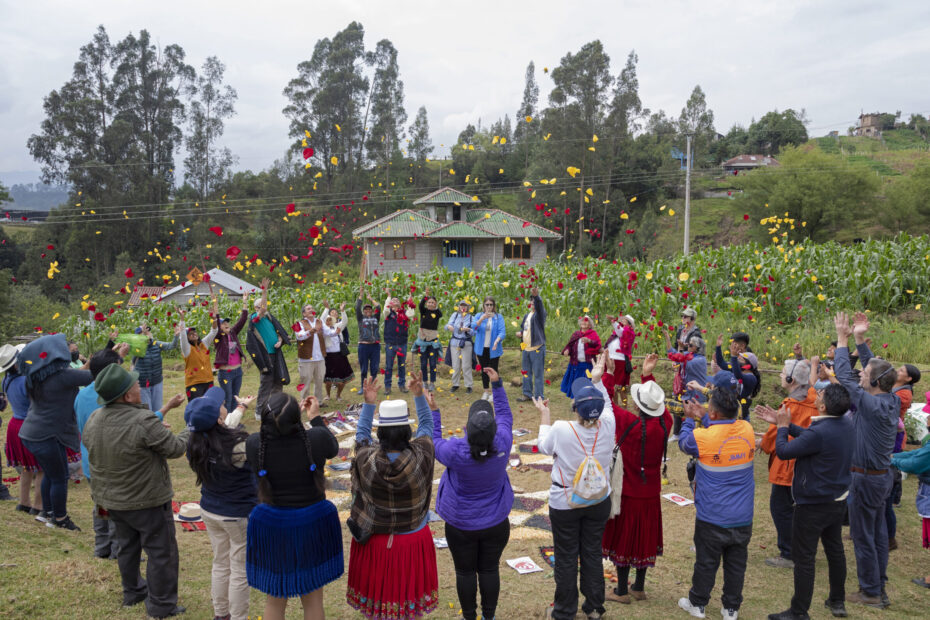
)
(202, 413)
(588, 400)
(724, 379)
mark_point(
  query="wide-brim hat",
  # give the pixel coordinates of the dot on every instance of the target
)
(649, 397)
(392, 413)
(689, 312)
(630, 319)
(8, 355)
(189, 512)
(112, 382)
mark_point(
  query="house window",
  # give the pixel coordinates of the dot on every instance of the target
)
(402, 249)
(517, 250)
(456, 249)
(456, 213)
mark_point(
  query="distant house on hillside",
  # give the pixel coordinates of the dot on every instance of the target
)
(744, 163)
(870, 125)
(222, 283)
(450, 229)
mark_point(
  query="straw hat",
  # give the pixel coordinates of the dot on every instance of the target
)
(188, 512)
(8, 355)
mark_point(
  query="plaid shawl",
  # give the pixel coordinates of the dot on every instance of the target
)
(391, 497)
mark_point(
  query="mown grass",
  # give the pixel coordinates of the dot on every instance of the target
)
(52, 574)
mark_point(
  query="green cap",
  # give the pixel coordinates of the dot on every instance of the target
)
(112, 382)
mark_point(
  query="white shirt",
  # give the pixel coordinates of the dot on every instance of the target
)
(613, 350)
(333, 335)
(581, 357)
(559, 441)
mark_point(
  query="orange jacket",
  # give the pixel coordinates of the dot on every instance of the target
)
(782, 472)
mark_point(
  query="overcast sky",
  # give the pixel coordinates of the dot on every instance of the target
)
(466, 60)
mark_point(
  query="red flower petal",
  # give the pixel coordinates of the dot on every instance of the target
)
(300, 387)
(43, 355)
(99, 317)
(128, 273)
(232, 252)
(217, 230)
(308, 153)
(290, 208)
(314, 232)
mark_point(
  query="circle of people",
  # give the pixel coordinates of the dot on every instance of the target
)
(263, 498)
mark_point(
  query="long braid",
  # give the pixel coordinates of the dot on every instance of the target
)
(317, 480)
(264, 485)
(642, 450)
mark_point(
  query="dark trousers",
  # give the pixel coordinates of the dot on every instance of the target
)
(781, 506)
(867, 495)
(428, 359)
(51, 456)
(712, 544)
(268, 383)
(105, 544)
(392, 351)
(486, 361)
(476, 555)
(813, 523)
(745, 408)
(576, 534)
(197, 390)
(369, 359)
(151, 529)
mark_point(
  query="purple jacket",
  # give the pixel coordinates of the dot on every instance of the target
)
(223, 345)
(475, 495)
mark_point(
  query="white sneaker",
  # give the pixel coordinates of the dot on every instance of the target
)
(696, 611)
(486, 396)
(672, 438)
(729, 614)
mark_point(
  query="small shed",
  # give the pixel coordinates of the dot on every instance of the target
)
(222, 282)
(744, 163)
(451, 229)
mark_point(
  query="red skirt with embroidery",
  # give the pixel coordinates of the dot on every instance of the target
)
(16, 453)
(634, 537)
(394, 583)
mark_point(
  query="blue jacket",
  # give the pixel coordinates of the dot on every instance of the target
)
(396, 330)
(476, 495)
(876, 415)
(149, 366)
(823, 456)
(724, 483)
(498, 330)
(747, 380)
(917, 462)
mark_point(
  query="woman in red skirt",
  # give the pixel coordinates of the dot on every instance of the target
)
(17, 456)
(392, 563)
(620, 349)
(633, 538)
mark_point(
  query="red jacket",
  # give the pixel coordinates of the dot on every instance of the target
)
(635, 461)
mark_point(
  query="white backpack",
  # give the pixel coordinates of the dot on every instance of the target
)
(589, 485)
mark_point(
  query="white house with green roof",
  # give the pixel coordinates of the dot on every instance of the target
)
(451, 229)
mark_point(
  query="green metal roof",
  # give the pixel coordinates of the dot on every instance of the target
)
(447, 195)
(403, 224)
(507, 225)
(461, 230)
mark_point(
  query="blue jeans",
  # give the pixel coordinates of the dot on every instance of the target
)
(369, 358)
(533, 364)
(867, 495)
(153, 395)
(52, 458)
(231, 382)
(390, 352)
(428, 361)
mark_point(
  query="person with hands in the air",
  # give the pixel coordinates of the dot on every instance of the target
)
(338, 370)
(579, 494)
(489, 332)
(744, 365)
(216, 453)
(724, 447)
(822, 455)
(294, 542)
(427, 343)
(396, 335)
(633, 536)
(875, 420)
(198, 370)
(619, 348)
(227, 352)
(392, 482)
(475, 496)
(692, 366)
(311, 352)
(368, 315)
(149, 366)
(264, 341)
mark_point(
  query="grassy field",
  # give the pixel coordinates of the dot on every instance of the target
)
(50, 574)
